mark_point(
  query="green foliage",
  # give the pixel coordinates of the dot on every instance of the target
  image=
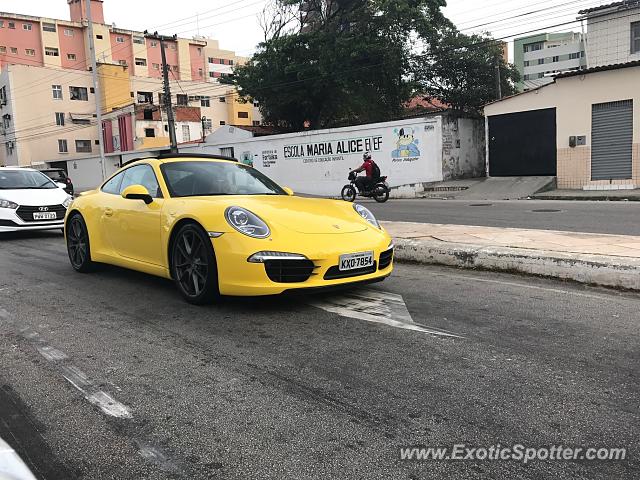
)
(354, 61)
(460, 70)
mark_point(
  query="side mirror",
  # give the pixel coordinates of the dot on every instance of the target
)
(137, 192)
(288, 190)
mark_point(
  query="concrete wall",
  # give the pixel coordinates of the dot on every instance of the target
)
(573, 98)
(86, 173)
(317, 162)
(463, 146)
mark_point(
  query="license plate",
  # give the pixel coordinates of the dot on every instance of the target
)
(44, 216)
(352, 261)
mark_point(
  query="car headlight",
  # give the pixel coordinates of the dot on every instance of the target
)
(8, 204)
(246, 222)
(67, 203)
(365, 213)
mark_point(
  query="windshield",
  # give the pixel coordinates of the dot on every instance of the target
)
(56, 175)
(191, 179)
(24, 179)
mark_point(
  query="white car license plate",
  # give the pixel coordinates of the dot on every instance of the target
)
(44, 216)
(351, 261)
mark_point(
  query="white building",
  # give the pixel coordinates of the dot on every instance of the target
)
(613, 33)
(539, 57)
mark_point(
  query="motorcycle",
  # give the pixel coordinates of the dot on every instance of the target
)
(378, 191)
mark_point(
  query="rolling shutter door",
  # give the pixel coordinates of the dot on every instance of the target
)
(612, 140)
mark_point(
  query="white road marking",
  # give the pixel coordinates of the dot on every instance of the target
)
(81, 382)
(155, 455)
(51, 354)
(379, 307)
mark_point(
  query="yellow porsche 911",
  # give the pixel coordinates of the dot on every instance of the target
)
(217, 227)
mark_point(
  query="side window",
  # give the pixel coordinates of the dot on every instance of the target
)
(113, 185)
(141, 175)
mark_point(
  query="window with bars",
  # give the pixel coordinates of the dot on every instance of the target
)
(60, 119)
(49, 27)
(635, 37)
(62, 146)
(83, 146)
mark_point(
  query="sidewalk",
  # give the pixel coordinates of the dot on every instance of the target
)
(608, 260)
(594, 195)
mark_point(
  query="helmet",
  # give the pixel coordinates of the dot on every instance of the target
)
(366, 156)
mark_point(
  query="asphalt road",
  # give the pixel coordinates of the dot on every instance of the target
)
(576, 216)
(280, 389)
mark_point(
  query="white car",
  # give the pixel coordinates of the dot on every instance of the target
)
(29, 200)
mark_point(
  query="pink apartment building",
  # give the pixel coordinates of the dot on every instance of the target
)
(47, 100)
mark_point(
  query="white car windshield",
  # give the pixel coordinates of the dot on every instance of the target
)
(24, 179)
(200, 178)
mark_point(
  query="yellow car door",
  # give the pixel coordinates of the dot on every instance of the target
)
(133, 225)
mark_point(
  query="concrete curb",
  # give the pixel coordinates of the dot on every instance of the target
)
(609, 271)
(594, 198)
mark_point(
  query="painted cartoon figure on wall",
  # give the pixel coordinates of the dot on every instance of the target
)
(246, 159)
(407, 144)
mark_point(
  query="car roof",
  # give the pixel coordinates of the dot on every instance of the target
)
(181, 157)
(19, 169)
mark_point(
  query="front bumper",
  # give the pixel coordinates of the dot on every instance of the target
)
(237, 277)
(11, 222)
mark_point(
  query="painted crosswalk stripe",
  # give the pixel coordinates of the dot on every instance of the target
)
(376, 306)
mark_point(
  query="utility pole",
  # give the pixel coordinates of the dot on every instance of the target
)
(96, 89)
(203, 120)
(498, 81)
(167, 87)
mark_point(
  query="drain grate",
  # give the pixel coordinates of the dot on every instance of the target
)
(481, 205)
(546, 210)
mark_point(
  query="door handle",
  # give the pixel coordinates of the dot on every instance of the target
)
(108, 211)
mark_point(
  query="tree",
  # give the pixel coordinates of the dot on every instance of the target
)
(329, 63)
(344, 62)
(460, 70)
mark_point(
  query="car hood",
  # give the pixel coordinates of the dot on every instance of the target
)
(49, 196)
(302, 215)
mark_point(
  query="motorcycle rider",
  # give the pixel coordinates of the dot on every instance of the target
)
(372, 171)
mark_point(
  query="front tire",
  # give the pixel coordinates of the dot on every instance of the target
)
(381, 193)
(193, 265)
(348, 193)
(78, 246)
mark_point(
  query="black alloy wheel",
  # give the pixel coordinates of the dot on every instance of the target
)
(78, 246)
(193, 265)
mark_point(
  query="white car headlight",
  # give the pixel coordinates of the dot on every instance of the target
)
(8, 204)
(67, 203)
(246, 222)
(365, 213)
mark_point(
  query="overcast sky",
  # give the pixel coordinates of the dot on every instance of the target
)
(234, 22)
